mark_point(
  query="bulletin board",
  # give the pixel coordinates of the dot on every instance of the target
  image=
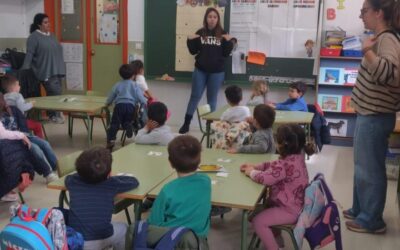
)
(161, 39)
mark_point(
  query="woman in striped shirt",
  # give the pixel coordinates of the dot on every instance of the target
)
(376, 99)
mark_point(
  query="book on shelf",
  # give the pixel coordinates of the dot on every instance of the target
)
(350, 76)
(346, 105)
(329, 75)
(337, 127)
(330, 102)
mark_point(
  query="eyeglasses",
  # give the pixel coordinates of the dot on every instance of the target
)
(363, 11)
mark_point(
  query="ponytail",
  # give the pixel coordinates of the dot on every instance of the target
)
(37, 21)
(396, 16)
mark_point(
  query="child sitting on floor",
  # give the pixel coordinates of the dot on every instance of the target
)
(92, 191)
(288, 179)
(262, 140)
(155, 131)
(259, 93)
(126, 94)
(295, 102)
(185, 201)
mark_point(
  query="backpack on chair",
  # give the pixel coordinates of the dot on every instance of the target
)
(326, 228)
(167, 242)
(26, 231)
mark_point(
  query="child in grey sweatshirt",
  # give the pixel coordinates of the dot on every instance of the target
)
(155, 132)
(262, 140)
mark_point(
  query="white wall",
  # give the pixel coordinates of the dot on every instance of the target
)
(136, 20)
(16, 17)
(346, 18)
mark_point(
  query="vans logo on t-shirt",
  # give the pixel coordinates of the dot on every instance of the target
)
(210, 40)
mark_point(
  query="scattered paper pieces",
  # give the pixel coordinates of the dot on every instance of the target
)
(224, 160)
(222, 174)
(68, 99)
(154, 153)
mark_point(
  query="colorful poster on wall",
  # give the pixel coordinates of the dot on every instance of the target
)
(107, 20)
(338, 127)
(189, 19)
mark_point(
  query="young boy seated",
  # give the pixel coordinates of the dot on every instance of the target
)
(13, 97)
(92, 191)
(295, 102)
(155, 131)
(236, 112)
(233, 128)
(125, 94)
(262, 140)
(185, 201)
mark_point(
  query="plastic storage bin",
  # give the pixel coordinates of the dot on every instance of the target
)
(330, 52)
(352, 53)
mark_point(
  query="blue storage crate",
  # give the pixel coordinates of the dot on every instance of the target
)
(352, 53)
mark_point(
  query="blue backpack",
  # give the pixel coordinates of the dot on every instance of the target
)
(326, 228)
(167, 242)
(27, 232)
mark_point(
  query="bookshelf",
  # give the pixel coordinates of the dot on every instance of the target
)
(336, 79)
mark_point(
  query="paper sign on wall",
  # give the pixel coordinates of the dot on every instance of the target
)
(67, 6)
(74, 76)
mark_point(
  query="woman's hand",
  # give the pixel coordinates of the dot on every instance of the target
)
(227, 37)
(368, 43)
(26, 141)
(191, 37)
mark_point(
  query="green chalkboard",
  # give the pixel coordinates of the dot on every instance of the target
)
(159, 49)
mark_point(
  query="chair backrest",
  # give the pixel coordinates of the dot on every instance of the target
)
(66, 164)
(202, 110)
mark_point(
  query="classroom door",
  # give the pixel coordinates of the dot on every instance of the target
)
(106, 25)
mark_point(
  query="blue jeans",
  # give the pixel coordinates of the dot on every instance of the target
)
(201, 80)
(46, 149)
(370, 147)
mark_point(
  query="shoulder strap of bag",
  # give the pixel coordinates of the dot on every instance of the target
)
(172, 237)
(140, 235)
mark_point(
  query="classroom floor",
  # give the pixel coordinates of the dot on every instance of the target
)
(335, 162)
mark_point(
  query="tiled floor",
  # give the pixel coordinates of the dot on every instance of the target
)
(335, 162)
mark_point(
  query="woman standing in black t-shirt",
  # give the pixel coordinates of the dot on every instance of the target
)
(211, 45)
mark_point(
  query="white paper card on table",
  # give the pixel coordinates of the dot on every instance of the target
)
(224, 160)
(213, 182)
(222, 174)
(154, 153)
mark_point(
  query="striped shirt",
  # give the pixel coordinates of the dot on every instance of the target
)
(377, 88)
(91, 205)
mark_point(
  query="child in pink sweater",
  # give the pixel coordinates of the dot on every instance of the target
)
(287, 178)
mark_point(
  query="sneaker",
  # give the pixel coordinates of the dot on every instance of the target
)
(110, 145)
(129, 131)
(51, 177)
(355, 227)
(217, 210)
(57, 120)
(11, 196)
(184, 129)
(348, 214)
